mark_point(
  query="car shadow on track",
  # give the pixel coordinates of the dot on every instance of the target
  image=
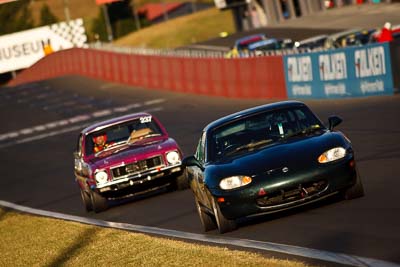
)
(136, 197)
(84, 239)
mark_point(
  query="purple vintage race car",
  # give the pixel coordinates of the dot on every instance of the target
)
(125, 156)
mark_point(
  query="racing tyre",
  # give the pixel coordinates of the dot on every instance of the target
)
(99, 203)
(355, 191)
(207, 221)
(224, 225)
(87, 203)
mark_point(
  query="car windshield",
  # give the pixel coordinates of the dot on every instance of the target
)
(266, 46)
(259, 130)
(127, 133)
(246, 42)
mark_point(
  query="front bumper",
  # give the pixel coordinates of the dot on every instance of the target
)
(146, 179)
(269, 194)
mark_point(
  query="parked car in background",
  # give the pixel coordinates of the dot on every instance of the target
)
(338, 39)
(311, 43)
(258, 44)
(267, 159)
(359, 38)
(271, 44)
(241, 46)
(125, 156)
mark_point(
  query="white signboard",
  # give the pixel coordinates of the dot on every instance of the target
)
(220, 4)
(22, 49)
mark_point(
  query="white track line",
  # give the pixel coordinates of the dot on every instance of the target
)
(58, 132)
(78, 118)
(267, 246)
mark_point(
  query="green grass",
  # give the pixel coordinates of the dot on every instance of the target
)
(28, 240)
(181, 31)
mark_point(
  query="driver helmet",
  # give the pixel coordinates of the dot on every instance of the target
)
(100, 140)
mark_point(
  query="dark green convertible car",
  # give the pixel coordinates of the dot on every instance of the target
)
(267, 159)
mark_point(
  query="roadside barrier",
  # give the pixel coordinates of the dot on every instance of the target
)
(348, 72)
(253, 77)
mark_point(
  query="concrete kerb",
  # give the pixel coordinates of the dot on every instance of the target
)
(327, 256)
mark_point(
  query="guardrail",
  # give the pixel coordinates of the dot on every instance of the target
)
(183, 52)
(198, 51)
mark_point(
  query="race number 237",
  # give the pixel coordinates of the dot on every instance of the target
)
(145, 119)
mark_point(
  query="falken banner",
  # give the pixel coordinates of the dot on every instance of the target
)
(347, 72)
(22, 49)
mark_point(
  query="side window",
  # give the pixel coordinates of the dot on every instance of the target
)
(300, 114)
(203, 147)
(306, 118)
(200, 150)
(292, 118)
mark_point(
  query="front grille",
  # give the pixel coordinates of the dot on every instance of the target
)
(137, 167)
(288, 195)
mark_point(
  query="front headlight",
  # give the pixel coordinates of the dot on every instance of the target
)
(173, 157)
(234, 182)
(332, 155)
(101, 177)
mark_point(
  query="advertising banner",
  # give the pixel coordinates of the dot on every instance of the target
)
(22, 49)
(347, 72)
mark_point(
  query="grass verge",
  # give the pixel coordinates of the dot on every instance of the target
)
(197, 27)
(28, 240)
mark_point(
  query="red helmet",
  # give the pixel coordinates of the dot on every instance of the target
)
(100, 139)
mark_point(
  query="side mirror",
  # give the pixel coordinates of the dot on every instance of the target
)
(191, 161)
(334, 121)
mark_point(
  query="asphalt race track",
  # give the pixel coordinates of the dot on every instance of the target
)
(40, 123)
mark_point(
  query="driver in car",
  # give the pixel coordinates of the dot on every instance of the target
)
(100, 143)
